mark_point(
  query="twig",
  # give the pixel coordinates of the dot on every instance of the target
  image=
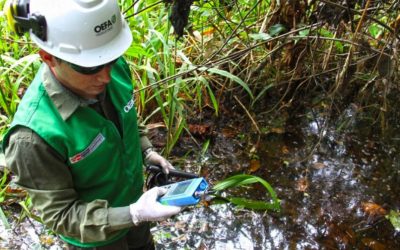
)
(326, 58)
(341, 74)
(248, 114)
(233, 33)
(369, 17)
(130, 7)
(264, 23)
(15, 41)
(224, 59)
(147, 7)
(351, 42)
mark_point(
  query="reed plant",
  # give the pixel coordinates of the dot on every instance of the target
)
(18, 64)
(248, 47)
(244, 180)
(173, 77)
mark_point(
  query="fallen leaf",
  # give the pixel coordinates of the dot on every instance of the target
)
(285, 150)
(46, 240)
(373, 209)
(180, 224)
(204, 228)
(302, 184)
(179, 238)
(277, 130)
(208, 32)
(202, 246)
(199, 129)
(253, 150)
(341, 232)
(254, 165)
(373, 244)
(318, 165)
(229, 132)
(15, 192)
(10, 201)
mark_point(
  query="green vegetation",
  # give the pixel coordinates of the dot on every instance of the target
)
(394, 218)
(243, 180)
(251, 48)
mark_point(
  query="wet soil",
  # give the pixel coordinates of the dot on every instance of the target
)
(336, 182)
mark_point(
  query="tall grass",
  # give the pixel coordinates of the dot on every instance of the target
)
(255, 48)
(18, 64)
(151, 62)
(183, 63)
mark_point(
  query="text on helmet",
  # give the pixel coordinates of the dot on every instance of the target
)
(105, 26)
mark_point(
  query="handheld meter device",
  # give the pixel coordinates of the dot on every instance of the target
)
(184, 193)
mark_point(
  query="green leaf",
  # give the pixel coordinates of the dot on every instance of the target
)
(276, 29)
(260, 36)
(339, 47)
(230, 76)
(375, 30)
(205, 147)
(325, 33)
(213, 99)
(232, 181)
(304, 33)
(394, 218)
(4, 220)
(136, 51)
(243, 180)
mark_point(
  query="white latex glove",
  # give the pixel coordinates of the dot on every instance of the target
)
(153, 158)
(147, 208)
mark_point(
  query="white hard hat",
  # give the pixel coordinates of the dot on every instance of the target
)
(83, 32)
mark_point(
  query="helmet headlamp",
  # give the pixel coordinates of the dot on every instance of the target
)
(87, 33)
(20, 20)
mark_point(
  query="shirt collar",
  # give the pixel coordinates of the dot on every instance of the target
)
(64, 100)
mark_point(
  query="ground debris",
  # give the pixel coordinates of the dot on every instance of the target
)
(302, 184)
(373, 209)
(373, 244)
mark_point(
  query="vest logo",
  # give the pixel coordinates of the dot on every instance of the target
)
(90, 149)
(105, 26)
(129, 106)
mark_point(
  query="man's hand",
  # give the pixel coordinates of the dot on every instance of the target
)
(153, 158)
(147, 208)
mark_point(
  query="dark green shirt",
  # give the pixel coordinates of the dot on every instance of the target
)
(52, 188)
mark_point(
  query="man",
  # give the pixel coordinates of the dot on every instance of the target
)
(74, 143)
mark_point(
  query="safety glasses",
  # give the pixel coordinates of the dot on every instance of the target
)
(89, 70)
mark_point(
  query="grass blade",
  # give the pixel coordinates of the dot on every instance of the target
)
(4, 220)
(244, 180)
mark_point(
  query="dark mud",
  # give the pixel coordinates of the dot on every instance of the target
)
(336, 182)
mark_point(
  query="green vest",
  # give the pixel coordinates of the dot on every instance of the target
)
(104, 164)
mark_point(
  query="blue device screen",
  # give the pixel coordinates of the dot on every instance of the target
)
(181, 188)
